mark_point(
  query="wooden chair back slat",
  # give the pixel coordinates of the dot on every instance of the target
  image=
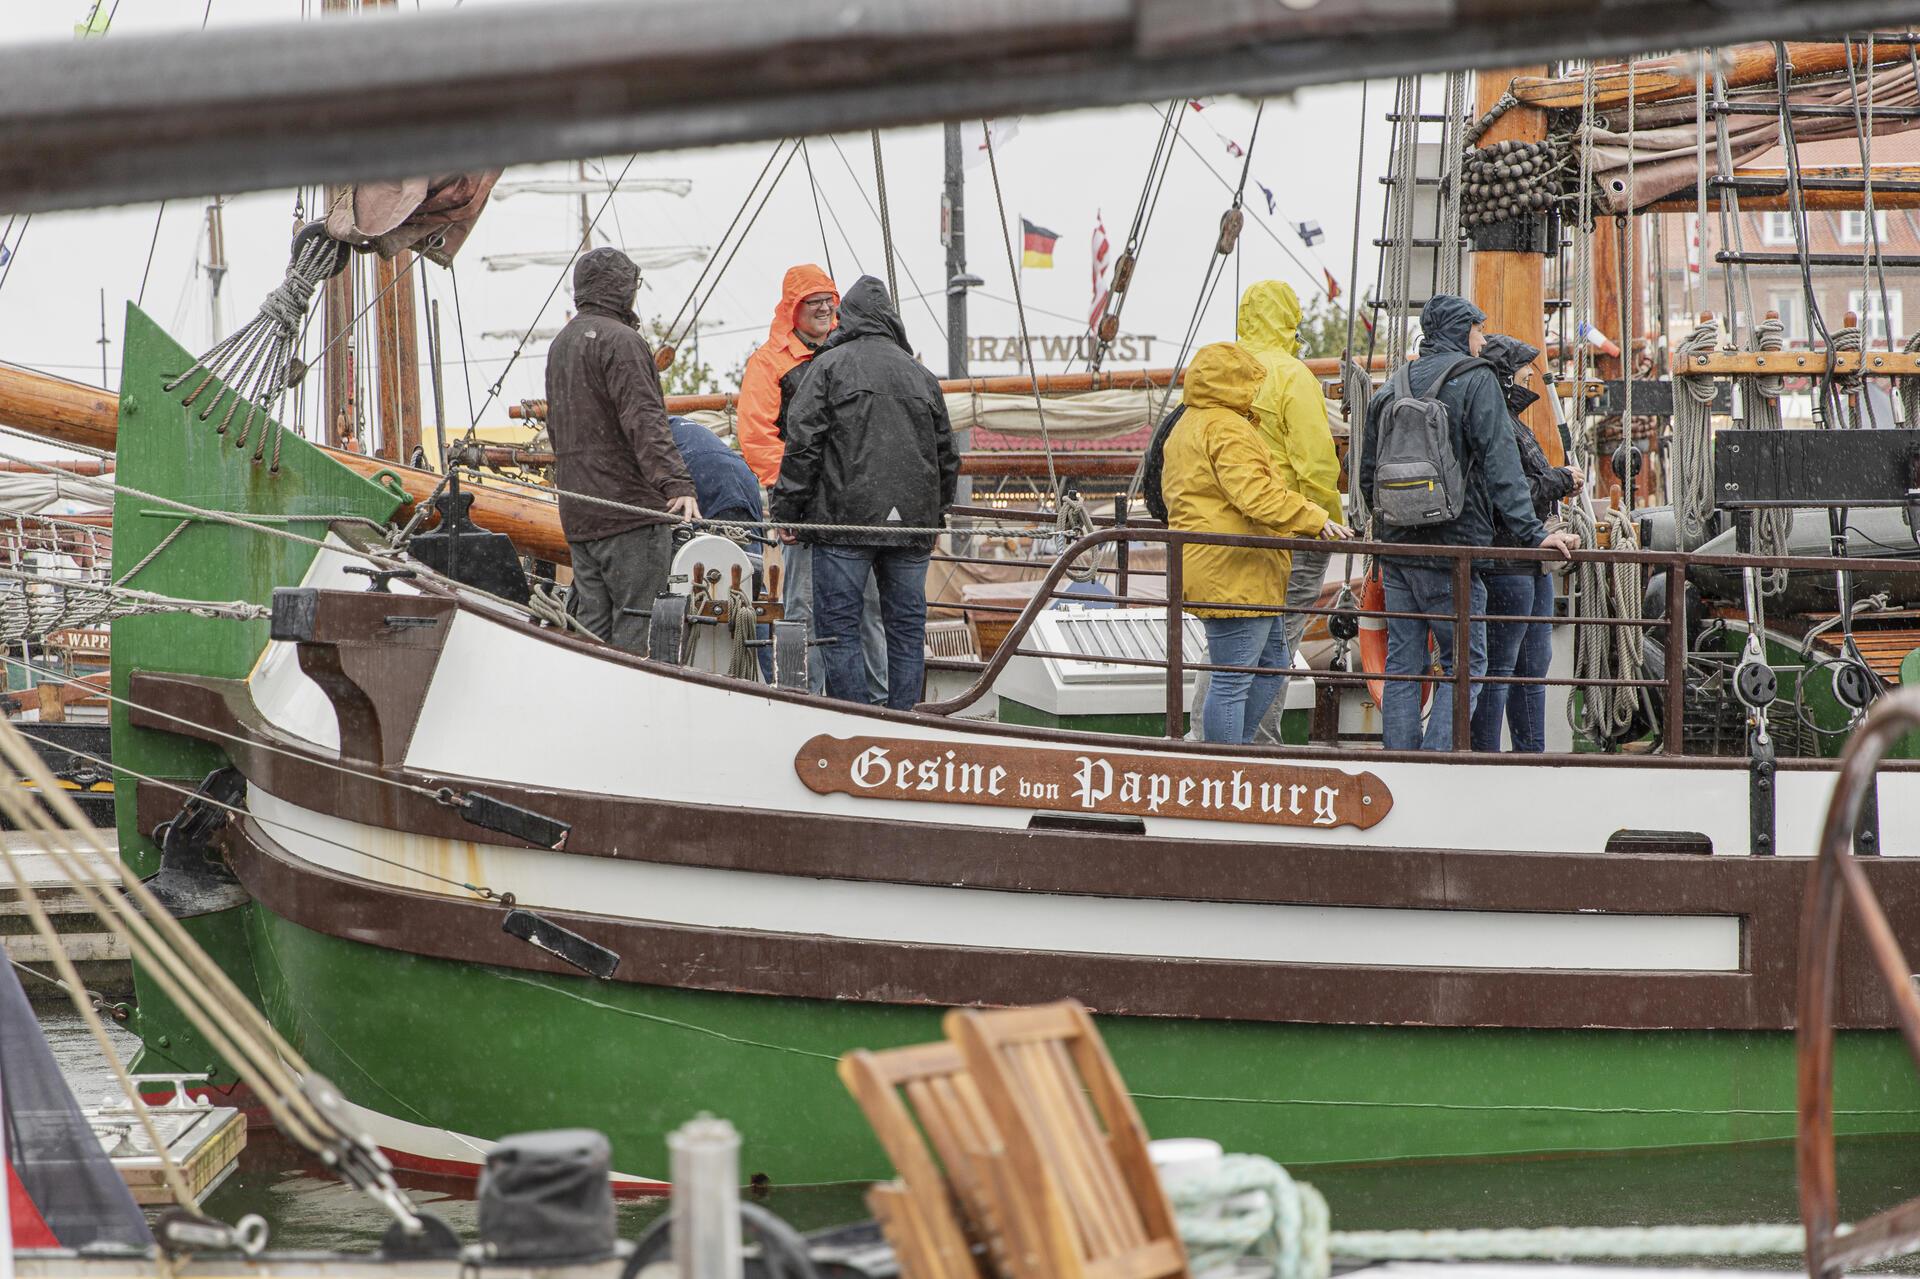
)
(1076, 1150)
(916, 1213)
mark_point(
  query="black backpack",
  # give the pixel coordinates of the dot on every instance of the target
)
(1154, 462)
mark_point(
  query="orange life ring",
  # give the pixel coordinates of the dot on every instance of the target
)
(1373, 638)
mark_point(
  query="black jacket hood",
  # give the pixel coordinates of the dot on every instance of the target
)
(605, 279)
(866, 311)
(1508, 355)
(1444, 323)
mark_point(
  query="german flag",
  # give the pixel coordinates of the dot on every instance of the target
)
(1036, 244)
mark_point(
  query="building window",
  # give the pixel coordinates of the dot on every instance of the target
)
(1777, 228)
(1878, 326)
(1792, 309)
(1853, 226)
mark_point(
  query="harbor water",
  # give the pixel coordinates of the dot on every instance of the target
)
(307, 1209)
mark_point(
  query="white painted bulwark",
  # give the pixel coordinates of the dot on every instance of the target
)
(991, 919)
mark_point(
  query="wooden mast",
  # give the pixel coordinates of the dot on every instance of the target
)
(336, 367)
(397, 342)
(1510, 287)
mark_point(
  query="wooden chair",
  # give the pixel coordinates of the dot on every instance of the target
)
(943, 1216)
(1076, 1150)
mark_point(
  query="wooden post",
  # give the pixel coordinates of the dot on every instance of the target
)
(52, 709)
(1610, 240)
(1510, 287)
(397, 343)
(337, 302)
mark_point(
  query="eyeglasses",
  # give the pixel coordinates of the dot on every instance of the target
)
(827, 305)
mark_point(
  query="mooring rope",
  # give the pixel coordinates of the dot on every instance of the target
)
(1249, 1206)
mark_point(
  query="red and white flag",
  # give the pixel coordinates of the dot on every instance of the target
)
(1102, 250)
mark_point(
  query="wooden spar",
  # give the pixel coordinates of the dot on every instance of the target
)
(1747, 65)
(1609, 243)
(70, 413)
(1511, 287)
(1085, 465)
(1050, 384)
(1895, 186)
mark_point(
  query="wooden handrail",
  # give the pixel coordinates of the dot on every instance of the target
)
(1835, 881)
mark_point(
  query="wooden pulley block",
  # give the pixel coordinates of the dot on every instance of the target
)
(1109, 327)
(1123, 273)
(663, 358)
(1230, 223)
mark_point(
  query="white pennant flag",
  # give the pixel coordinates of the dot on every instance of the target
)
(973, 138)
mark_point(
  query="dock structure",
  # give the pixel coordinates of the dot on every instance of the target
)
(99, 955)
(204, 1140)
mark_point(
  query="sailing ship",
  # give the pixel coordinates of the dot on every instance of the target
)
(669, 887)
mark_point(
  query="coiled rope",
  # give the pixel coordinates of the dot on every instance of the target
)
(1601, 591)
(1761, 399)
(1692, 477)
(1248, 1206)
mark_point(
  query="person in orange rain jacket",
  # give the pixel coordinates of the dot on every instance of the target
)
(808, 311)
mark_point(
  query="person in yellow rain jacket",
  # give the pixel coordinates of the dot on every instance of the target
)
(1292, 416)
(1218, 476)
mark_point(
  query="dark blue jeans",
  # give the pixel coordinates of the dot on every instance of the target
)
(1412, 589)
(1516, 648)
(839, 583)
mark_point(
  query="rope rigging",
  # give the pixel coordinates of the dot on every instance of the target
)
(1106, 326)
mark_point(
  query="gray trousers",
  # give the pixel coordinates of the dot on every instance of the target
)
(796, 591)
(1303, 591)
(616, 578)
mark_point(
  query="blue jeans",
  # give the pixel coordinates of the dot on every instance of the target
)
(1411, 589)
(796, 589)
(840, 576)
(1523, 706)
(1237, 701)
(1527, 704)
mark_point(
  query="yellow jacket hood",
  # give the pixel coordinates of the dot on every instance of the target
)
(1222, 376)
(1270, 318)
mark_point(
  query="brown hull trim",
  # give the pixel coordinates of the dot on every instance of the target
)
(817, 967)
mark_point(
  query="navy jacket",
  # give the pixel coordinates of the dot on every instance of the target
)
(1548, 483)
(1482, 439)
(723, 483)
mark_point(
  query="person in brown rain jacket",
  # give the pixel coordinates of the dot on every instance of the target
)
(612, 441)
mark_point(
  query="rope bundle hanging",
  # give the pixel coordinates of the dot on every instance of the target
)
(1761, 398)
(1849, 386)
(257, 362)
(1910, 389)
(1601, 591)
(1692, 478)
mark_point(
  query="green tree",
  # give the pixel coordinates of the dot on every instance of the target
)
(1323, 330)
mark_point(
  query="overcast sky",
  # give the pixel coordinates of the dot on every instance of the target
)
(1060, 171)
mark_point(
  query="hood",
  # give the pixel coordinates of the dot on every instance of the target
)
(867, 311)
(801, 281)
(1508, 355)
(1444, 322)
(605, 279)
(1270, 318)
(1222, 376)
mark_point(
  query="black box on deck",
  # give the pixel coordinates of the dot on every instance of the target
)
(548, 1196)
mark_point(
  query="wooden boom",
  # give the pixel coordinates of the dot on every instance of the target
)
(1654, 81)
(73, 413)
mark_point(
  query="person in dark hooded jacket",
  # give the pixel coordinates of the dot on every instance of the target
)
(1450, 332)
(612, 441)
(1520, 588)
(868, 443)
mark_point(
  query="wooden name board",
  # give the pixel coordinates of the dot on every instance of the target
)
(1091, 781)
